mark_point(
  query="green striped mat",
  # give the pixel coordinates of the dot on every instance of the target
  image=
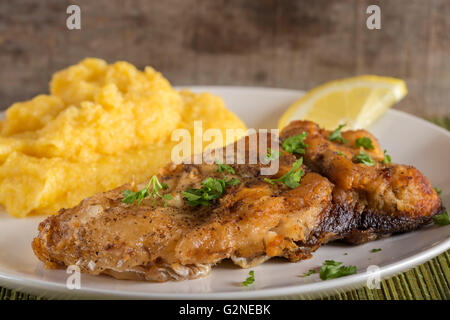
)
(429, 281)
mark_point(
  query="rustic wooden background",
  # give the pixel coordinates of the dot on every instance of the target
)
(292, 44)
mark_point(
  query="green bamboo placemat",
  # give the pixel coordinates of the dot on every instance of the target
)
(429, 281)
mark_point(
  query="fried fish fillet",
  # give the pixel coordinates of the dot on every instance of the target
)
(251, 223)
(369, 201)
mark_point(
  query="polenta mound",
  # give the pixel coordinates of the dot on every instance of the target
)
(101, 126)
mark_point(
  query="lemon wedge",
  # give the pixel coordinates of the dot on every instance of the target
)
(356, 101)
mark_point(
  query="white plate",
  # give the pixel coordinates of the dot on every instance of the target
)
(408, 140)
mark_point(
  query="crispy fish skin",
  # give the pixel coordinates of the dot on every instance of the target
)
(251, 223)
(368, 201)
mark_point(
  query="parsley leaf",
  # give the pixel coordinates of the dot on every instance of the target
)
(438, 191)
(232, 182)
(296, 144)
(307, 274)
(292, 178)
(387, 158)
(340, 153)
(336, 134)
(250, 279)
(375, 250)
(364, 158)
(332, 269)
(129, 197)
(365, 142)
(442, 219)
(224, 168)
(271, 155)
(211, 189)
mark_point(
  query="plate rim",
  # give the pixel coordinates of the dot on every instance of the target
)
(298, 91)
(309, 289)
(313, 289)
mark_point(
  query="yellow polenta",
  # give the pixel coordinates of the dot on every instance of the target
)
(101, 126)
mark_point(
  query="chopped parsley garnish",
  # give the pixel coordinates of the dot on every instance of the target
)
(129, 197)
(340, 153)
(336, 134)
(250, 279)
(271, 155)
(212, 189)
(376, 250)
(221, 167)
(296, 144)
(441, 219)
(387, 158)
(332, 269)
(365, 142)
(307, 274)
(364, 158)
(292, 178)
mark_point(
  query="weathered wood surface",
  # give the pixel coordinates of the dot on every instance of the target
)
(292, 44)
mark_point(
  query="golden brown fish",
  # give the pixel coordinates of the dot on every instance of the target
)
(368, 200)
(251, 222)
